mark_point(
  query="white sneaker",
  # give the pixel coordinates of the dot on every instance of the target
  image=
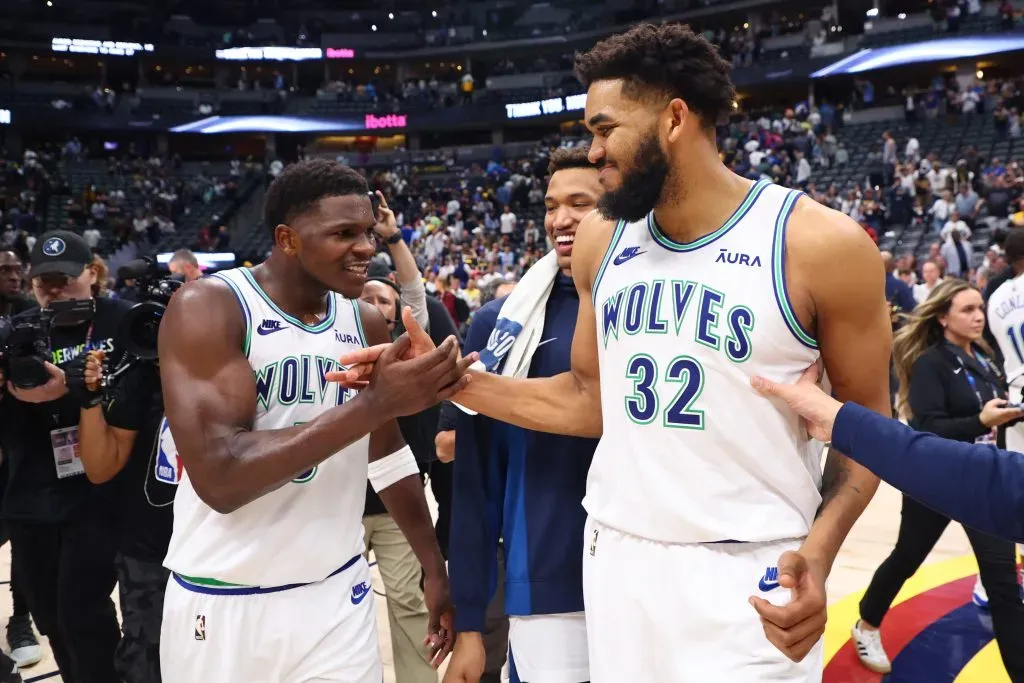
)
(980, 596)
(869, 649)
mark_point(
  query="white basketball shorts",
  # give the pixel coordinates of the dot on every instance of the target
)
(323, 632)
(679, 613)
(550, 648)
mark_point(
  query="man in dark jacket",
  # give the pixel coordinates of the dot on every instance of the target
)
(399, 569)
(503, 489)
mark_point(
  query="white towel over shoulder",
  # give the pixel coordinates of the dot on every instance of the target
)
(520, 323)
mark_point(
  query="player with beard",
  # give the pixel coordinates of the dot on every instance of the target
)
(266, 552)
(711, 530)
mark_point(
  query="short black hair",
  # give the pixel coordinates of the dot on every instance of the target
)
(184, 256)
(301, 185)
(569, 157)
(666, 61)
(1014, 246)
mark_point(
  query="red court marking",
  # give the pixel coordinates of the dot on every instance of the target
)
(901, 625)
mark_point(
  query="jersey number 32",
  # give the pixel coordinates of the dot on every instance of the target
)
(642, 405)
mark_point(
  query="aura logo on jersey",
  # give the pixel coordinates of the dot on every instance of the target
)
(298, 379)
(726, 256)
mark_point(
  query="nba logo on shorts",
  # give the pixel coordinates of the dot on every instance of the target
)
(168, 464)
(200, 627)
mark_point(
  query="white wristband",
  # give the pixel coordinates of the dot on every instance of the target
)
(390, 469)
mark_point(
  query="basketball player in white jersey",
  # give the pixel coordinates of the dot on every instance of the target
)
(1006, 323)
(268, 580)
(710, 525)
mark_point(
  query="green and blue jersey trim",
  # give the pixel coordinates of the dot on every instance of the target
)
(779, 273)
(359, 321)
(616, 236)
(205, 586)
(247, 343)
(663, 240)
(324, 325)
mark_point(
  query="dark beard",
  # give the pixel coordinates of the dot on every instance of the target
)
(641, 187)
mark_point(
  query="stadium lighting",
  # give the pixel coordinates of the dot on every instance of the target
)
(373, 27)
(49, 3)
(391, 15)
(901, 16)
(433, 13)
(873, 12)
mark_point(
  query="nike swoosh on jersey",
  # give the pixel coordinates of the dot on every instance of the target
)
(766, 586)
(359, 593)
(627, 254)
(546, 341)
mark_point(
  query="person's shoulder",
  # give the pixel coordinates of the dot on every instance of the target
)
(932, 357)
(819, 234)
(22, 305)
(114, 306)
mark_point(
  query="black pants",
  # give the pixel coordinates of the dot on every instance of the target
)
(20, 606)
(920, 528)
(67, 573)
(496, 623)
(141, 585)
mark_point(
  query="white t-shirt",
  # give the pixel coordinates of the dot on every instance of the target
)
(508, 223)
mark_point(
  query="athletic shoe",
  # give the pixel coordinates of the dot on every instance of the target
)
(980, 596)
(869, 649)
(9, 670)
(25, 649)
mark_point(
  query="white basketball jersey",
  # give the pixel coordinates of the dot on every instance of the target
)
(690, 452)
(310, 527)
(1006, 321)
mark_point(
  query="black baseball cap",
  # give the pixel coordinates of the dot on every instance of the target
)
(59, 251)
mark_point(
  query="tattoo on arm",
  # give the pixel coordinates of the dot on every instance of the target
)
(835, 478)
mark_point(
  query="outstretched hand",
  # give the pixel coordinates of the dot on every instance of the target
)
(359, 363)
(817, 409)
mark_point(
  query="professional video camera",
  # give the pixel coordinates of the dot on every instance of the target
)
(24, 341)
(137, 333)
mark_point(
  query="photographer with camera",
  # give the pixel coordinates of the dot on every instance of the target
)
(126, 440)
(60, 523)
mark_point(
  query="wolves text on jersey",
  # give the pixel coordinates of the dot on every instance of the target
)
(298, 379)
(663, 307)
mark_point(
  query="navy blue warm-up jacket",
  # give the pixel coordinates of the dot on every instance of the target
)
(521, 486)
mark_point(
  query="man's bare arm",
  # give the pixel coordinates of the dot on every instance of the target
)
(568, 403)
(104, 449)
(854, 334)
(210, 400)
(404, 499)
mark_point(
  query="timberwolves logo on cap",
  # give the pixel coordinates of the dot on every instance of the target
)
(54, 246)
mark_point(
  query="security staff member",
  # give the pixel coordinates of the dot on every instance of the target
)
(59, 522)
(127, 441)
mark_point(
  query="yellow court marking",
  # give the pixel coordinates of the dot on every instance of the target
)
(842, 614)
(984, 667)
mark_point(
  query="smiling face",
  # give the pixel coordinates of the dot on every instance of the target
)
(572, 194)
(334, 242)
(626, 148)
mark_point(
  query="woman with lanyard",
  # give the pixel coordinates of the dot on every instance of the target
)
(949, 387)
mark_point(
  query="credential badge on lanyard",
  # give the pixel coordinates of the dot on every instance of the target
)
(989, 437)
